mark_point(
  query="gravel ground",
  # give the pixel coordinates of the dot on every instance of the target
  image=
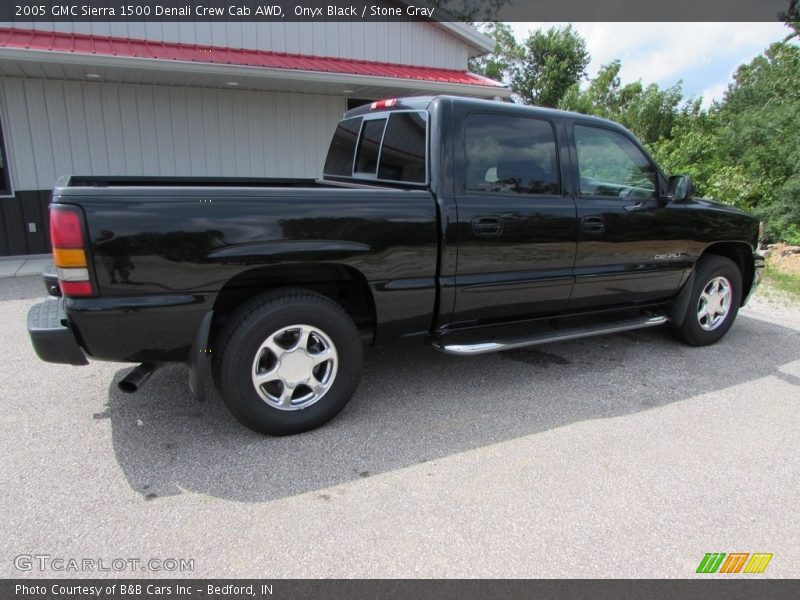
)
(617, 456)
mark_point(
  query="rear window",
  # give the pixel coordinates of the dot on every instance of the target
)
(403, 152)
(343, 147)
(387, 148)
(369, 147)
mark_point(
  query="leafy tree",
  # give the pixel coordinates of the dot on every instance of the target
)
(692, 148)
(541, 69)
(507, 55)
(553, 62)
(650, 112)
(759, 129)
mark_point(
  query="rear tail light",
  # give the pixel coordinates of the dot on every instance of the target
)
(69, 254)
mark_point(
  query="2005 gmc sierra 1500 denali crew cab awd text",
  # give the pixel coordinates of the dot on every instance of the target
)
(479, 226)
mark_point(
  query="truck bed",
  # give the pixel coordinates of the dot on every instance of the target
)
(169, 247)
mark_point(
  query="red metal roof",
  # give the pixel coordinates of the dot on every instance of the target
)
(75, 43)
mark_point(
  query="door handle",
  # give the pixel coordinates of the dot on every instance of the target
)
(593, 224)
(489, 226)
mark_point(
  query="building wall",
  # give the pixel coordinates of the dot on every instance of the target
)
(55, 128)
(414, 43)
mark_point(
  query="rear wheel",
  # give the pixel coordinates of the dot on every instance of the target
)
(288, 361)
(714, 302)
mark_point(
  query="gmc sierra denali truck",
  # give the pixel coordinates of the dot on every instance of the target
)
(478, 226)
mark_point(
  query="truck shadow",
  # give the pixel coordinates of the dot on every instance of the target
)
(415, 405)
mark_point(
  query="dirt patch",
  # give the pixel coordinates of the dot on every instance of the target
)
(784, 258)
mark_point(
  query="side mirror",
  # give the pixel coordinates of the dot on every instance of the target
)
(680, 188)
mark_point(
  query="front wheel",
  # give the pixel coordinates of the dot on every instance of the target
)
(288, 361)
(714, 302)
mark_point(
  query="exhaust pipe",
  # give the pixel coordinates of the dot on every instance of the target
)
(137, 378)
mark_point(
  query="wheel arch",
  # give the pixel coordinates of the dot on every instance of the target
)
(742, 256)
(343, 284)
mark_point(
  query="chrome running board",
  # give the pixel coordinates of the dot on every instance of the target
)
(442, 345)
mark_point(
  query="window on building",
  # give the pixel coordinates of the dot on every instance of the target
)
(511, 154)
(403, 151)
(610, 165)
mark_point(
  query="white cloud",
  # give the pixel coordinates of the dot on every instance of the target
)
(714, 92)
(665, 52)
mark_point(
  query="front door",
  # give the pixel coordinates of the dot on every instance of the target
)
(516, 225)
(633, 242)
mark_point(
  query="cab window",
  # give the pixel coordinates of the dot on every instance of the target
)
(610, 165)
(510, 154)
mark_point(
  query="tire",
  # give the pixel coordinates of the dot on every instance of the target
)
(287, 335)
(718, 284)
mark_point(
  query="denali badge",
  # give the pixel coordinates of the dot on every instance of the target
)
(670, 255)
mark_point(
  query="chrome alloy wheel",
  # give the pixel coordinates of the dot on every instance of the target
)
(714, 303)
(294, 367)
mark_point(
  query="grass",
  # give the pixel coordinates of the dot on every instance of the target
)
(781, 280)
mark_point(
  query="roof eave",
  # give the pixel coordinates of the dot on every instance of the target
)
(207, 68)
(479, 43)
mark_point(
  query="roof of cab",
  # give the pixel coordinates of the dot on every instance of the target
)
(424, 102)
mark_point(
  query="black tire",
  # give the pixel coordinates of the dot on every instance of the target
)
(257, 320)
(708, 269)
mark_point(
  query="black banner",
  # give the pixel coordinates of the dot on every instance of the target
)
(236, 589)
(390, 10)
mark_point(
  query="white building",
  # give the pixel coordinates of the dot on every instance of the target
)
(199, 99)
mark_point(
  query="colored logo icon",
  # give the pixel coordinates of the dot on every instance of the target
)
(735, 562)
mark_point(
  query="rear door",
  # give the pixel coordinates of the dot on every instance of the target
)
(516, 225)
(633, 242)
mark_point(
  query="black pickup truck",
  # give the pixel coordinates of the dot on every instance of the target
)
(478, 226)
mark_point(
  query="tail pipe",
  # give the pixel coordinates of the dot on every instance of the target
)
(137, 378)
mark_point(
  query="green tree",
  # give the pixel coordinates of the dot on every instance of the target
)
(649, 112)
(553, 62)
(759, 133)
(692, 148)
(541, 69)
(507, 55)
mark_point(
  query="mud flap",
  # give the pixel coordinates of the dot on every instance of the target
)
(198, 358)
(677, 310)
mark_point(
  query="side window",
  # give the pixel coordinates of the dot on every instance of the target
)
(403, 151)
(610, 165)
(369, 147)
(511, 154)
(343, 147)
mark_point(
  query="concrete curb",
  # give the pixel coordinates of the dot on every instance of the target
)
(24, 266)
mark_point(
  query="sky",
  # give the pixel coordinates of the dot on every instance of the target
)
(703, 55)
